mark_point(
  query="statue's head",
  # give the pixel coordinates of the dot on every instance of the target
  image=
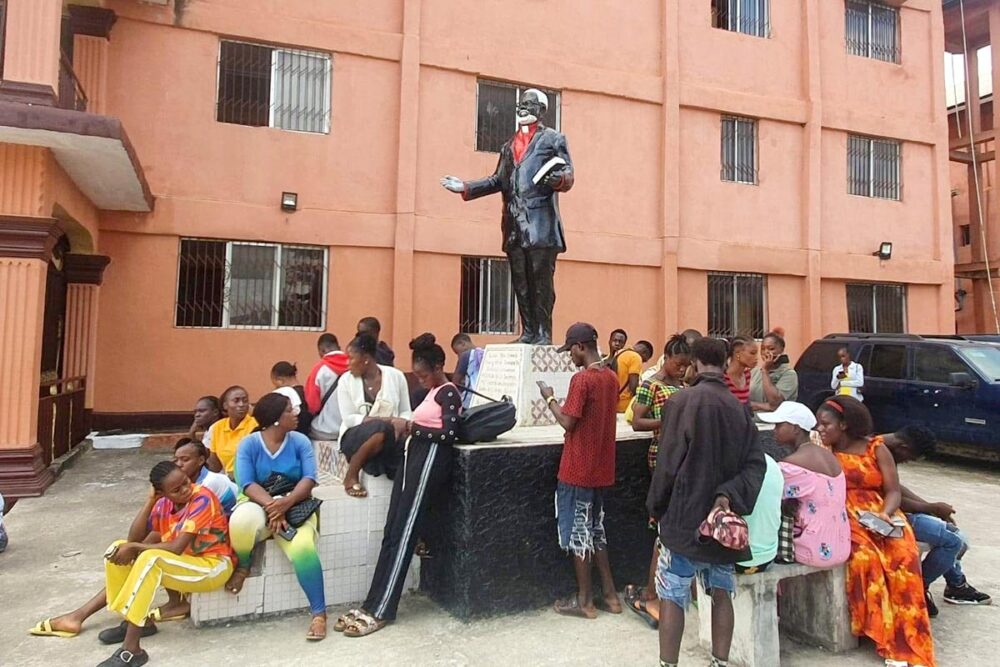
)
(532, 105)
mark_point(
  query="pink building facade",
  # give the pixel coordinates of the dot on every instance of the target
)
(737, 165)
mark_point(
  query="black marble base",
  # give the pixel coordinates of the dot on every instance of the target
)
(493, 534)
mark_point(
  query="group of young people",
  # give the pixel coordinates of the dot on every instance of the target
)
(724, 503)
(244, 475)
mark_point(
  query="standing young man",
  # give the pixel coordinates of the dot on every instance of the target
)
(709, 457)
(586, 468)
(320, 389)
(383, 353)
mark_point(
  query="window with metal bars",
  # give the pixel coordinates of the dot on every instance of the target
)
(750, 17)
(737, 304)
(872, 30)
(237, 284)
(487, 298)
(739, 149)
(876, 308)
(273, 87)
(496, 108)
(874, 167)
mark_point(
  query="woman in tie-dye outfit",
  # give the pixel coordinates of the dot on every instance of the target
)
(275, 447)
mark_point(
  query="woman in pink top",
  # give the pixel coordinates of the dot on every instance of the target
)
(426, 467)
(815, 482)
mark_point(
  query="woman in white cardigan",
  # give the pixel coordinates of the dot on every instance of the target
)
(374, 406)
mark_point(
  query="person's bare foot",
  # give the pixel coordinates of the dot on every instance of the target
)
(610, 603)
(66, 623)
(354, 489)
(236, 579)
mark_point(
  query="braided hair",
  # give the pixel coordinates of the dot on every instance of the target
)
(160, 472)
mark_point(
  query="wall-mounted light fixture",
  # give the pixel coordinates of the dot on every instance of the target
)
(289, 201)
(884, 251)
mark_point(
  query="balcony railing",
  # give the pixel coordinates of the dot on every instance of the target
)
(71, 93)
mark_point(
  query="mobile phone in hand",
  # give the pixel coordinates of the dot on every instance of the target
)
(878, 525)
(288, 533)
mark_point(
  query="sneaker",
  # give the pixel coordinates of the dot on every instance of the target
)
(932, 609)
(965, 595)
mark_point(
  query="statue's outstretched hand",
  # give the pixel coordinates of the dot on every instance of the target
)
(453, 184)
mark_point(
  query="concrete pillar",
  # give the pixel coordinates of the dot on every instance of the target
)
(23, 179)
(812, 182)
(90, 62)
(84, 273)
(31, 51)
(670, 201)
(25, 248)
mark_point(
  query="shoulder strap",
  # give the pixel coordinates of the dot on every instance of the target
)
(329, 392)
(473, 391)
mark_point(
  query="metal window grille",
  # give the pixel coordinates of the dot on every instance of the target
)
(872, 30)
(271, 87)
(487, 298)
(874, 167)
(235, 284)
(750, 17)
(876, 308)
(739, 149)
(737, 304)
(496, 108)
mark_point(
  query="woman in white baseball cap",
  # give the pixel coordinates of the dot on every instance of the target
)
(815, 484)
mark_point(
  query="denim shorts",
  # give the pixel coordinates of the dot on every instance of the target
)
(580, 519)
(675, 572)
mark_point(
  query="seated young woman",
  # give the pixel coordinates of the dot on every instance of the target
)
(207, 411)
(285, 378)
(815, 489)
(425, 469)
(191, 457)
(226, 433)
(187, 550)
(374, 406)
(276, 447)
(885, 589)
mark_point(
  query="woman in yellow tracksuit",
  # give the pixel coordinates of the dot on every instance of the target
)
(187, 550)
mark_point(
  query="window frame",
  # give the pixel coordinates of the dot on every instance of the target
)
(484, 300)
(765, 27)
(871, 370)
(737, 169)
(870, 154)
(276, 285)
(735, 276)
(869, 41)
(874, 306)
(915, 372)
(555, 97)
(274, 49)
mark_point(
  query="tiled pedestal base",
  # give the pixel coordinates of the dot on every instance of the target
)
(350, 536)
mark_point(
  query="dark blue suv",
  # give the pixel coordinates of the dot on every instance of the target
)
(949, 384)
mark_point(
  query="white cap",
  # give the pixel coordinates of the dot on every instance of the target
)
(290, 394)
(792, 413)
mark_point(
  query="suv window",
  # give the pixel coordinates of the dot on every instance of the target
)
(936, 363)
(819, 358)
(888, 361)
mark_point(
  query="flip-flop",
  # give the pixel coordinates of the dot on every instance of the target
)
(357, 491)
(345, 620)
(571, 607)
(44, 629)
(158, 617)
(634, 601)
(317, 629)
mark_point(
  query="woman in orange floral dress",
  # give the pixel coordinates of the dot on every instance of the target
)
(885, 590)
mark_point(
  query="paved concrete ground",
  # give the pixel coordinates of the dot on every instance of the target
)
(54, 563)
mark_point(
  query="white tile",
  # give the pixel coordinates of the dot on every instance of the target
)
(374, 547)
(346, 585)
(283, 593)
(378, 487)
(344, 514)
(342, 550)
(378, 510)
(220, 604)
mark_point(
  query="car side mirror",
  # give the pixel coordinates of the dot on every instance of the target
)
(961, 380)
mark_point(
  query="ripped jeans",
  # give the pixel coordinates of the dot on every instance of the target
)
(580, 519)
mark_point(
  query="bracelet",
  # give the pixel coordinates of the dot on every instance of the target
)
(550, 399)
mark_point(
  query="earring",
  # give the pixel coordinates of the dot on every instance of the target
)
(275, 423)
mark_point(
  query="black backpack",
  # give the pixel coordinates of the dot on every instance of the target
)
(484, 423)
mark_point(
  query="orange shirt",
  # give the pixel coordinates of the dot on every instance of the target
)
(202, 517)
(628, 362)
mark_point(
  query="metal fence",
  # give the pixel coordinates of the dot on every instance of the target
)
(266, 86)
(71, 93)
(487, 299)
(750, 17)
(231, 284)
(876, 308)
(872, 30)
(739, 149)
(496, 109)
(62, 423)
(737, 304)
(874, 167)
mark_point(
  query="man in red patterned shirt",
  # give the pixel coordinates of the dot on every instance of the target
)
(586, 468)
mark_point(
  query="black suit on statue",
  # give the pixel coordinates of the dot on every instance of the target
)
(531, 225)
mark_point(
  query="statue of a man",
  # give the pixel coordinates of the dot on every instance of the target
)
(534, 167)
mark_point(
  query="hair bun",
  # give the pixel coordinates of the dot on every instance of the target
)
(779, 330)
(423, 342)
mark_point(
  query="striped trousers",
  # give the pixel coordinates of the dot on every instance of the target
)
(130, 588)
(426, 469)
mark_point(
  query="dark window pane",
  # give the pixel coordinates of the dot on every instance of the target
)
(888, 361)
(201, 280)
(936, 364)
(244, 84)
(736, 304)
(860, 313)
(890, 308)
(819, 358)
(301, 297)
(486, 298)
(496, 109)
(251, 285)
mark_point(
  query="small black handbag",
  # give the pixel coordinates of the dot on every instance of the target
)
(279, 485)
